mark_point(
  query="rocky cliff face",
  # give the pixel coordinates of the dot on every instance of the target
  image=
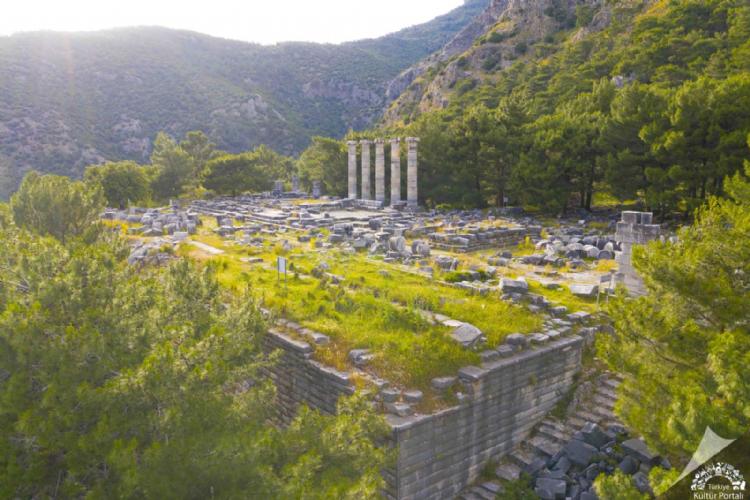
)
(502, 34)
(459, 44)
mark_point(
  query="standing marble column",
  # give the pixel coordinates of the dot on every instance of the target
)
(352, 169)
(395, 171)
(412, 199)
(379, 170)
(366, 190)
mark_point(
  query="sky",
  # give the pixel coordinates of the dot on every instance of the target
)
(262, 21)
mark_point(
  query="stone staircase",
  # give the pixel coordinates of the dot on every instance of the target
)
(549, 437)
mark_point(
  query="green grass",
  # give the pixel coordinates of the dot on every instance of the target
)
(370, 309)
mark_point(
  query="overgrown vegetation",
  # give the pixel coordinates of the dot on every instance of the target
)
(118, 381)
(684, 348)
(371, 309)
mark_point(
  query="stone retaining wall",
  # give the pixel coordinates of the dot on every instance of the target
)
(483, 239)
(440, 454)
(301, 380)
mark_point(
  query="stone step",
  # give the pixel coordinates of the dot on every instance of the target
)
(601, 413)
(554, 434)
(492, 487)
(482, 493)
(607, 423)
(522, 457)
(610, 383)
(470, 496)
(544, 445)
(607, 392)
(587, 416)
(576, 422)
(508, 471)
(555, 424)
(604, 401)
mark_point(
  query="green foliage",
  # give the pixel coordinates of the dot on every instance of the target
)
(122, 182)
(252, 171)
(174, 169)
(684, 347)
(132, 83)
(119, 382)
(520, 489)
(666, 135)
(617, 486)
(584, 15)
(662, 480)
(456, 276)
(200, 148)
(326, 160)
(56, 206)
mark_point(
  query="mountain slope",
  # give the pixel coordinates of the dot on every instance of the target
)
(552, 50)
(69, 100)
(495, 40)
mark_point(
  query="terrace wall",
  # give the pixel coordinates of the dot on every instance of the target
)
(301, 380)
(483, 239)
(442, 453)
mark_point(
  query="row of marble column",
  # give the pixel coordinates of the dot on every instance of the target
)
(411, 171)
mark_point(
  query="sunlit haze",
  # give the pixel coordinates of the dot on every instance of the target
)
(330, 21)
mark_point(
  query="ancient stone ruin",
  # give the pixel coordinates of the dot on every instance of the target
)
(488, 411)
(635, 228)
(365, 197)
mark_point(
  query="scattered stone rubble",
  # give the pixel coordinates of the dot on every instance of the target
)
(572, 245)
(156, 221)
(563, 458)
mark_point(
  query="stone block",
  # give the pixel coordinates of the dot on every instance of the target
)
(558, 311)
(390, 395)
(360, 357)
(550, 489)
(538, 338)
(594, 435)
(580, 453)
(413, 397)
(443, 383)
(629, 217)
(638, 449)
(508, 472)
(579, 317)
(640, 481)
(471, 373)
(508, 285)
(629, 465)
(517, 340)
(467, 334)
(399, 409)
(588, 291)
(489, 355)
(505, 351)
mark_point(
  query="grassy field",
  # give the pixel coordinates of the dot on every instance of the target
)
(377, 307)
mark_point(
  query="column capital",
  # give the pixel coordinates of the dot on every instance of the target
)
(351, 143)
(396, 140)
(412, 140)
(379, 141)
(365, 142)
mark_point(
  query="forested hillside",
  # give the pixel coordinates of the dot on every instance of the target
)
(562, 101)
(70, 100)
